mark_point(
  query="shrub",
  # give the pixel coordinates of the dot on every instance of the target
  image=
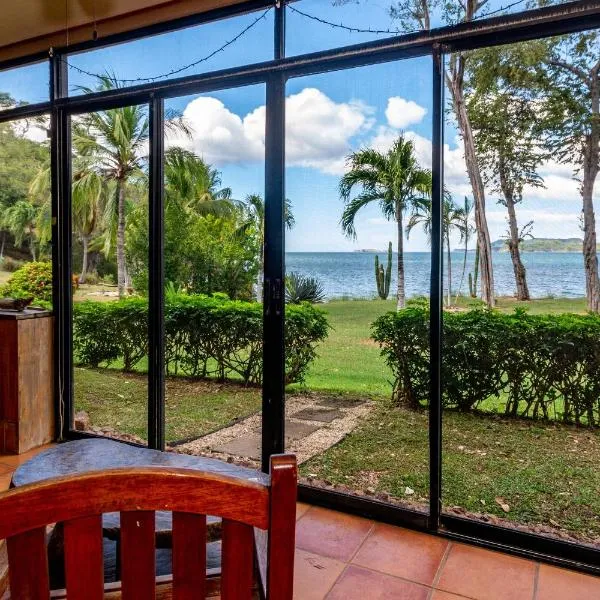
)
(32, 280)
(299, 288)
(204, 336)
(544, 366)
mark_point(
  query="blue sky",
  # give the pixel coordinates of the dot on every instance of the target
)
(328, 116)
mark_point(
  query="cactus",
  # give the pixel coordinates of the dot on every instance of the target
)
(473, 278)
(382, 277)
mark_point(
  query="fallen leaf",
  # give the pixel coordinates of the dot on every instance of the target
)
(501, 502)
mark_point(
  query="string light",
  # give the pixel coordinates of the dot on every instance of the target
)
(391, 31)
(179, 69)
(246, 29)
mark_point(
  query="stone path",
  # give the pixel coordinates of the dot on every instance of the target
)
(313, 424)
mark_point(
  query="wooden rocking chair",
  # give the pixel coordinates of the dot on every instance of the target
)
(258, 533)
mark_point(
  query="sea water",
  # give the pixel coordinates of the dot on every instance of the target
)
(352, 274)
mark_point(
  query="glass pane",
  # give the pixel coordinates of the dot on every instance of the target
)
(110, 271)
(520, 381)
(209, 47)
(24, 85)
(350, 425)
(25, 212)
(314, 25)
(214, 210)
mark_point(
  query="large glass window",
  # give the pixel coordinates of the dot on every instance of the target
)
(25, 212)
(520, 353)
(221, 44)
(214, 235)
(109, 214)
(358, 159)
(24, 85)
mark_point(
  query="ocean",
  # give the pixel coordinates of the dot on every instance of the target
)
(351, 274)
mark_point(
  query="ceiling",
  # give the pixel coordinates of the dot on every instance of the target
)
(32, 26)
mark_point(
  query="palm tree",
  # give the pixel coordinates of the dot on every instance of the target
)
(255, 205)
(453, 218)
(194, 184)
(88, 200)
(22, 219)
(394, 180)
(116, 141)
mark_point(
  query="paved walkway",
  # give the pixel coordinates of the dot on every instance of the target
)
(313, 424)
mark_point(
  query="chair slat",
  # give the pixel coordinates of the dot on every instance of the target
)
(189, 556)
(84, 567)
(28, 565)
(237, 562)
(138, 562)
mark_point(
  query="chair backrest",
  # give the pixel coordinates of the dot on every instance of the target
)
(78, 503)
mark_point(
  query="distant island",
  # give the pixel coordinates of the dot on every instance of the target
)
(544, 245)
(367, 250)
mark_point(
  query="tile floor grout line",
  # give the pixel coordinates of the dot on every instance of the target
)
(438, 573)
(346, 565)
(367, 536)
(536, 579)
(371, 570)
(304, 513)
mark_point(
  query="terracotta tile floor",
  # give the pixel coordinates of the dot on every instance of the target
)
(342, 557)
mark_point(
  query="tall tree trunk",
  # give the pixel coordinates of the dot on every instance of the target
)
(121, 262)
(513, 229)
(85, 241)
(3, 243)
(401, 299)
(455, 84)
(590, 172)
(32, 249)
(449, 269)
(515, 253)
(590, 257)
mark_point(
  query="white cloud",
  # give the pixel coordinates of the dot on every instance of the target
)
(401, 113)
(219, 135)
(31, 130)
(318, 131)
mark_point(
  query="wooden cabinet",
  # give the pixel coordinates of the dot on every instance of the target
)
(26, 380)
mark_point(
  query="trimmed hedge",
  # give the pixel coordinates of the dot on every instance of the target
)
(543, 366)
(204, 336)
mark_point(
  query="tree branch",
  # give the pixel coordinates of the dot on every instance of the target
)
(571, 68)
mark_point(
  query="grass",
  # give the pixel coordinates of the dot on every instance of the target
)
(192, 408)
(547, 474)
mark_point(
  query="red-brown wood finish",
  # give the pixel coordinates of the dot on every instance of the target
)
(189, 556)
(138, 563)
(79, 501)
(237, 561)
(28, 565)
(84, 559)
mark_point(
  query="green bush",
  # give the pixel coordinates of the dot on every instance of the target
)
(541, 366)
(204, 336)
(32, 280)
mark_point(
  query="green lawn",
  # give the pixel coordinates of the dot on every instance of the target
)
(546, 474)
(192, 408)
